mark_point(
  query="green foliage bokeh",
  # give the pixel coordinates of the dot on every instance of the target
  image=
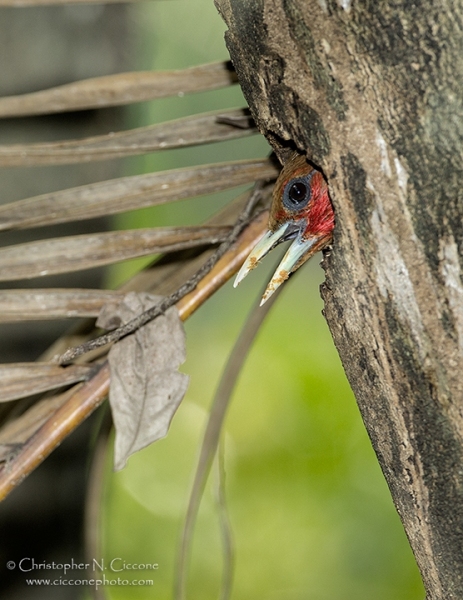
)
(311, 514)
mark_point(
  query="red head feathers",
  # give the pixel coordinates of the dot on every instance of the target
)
(301, 211)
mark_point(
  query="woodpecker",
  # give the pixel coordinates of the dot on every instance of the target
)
(301, 211)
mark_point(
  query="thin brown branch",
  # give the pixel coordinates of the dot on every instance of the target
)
(162, 277)
(113, 336)
(80, 405)
(16, 432)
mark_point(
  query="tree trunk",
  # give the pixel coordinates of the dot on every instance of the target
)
(372, 92)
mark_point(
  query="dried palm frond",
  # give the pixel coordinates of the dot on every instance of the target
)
(130, 193)
(120, 89)
(189, 131)
(52, 303)
(72, 407)
(31, 435)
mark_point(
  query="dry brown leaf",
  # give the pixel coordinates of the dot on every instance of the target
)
(146, 386)
(74, 253)
(19, 380)
(53, 303)
(199, 129)
(115, 90)
(129, 193)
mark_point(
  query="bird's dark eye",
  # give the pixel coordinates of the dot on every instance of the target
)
(297, 193)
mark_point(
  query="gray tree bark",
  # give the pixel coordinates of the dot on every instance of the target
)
(372, 92)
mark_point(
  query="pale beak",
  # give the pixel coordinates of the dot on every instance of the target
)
(299, 251)
(269, 240)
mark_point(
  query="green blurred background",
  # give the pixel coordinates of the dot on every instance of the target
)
(312, 517)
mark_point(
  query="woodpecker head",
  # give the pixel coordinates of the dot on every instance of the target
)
(301, 211)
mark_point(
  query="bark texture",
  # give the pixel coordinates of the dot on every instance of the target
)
(372, 93)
